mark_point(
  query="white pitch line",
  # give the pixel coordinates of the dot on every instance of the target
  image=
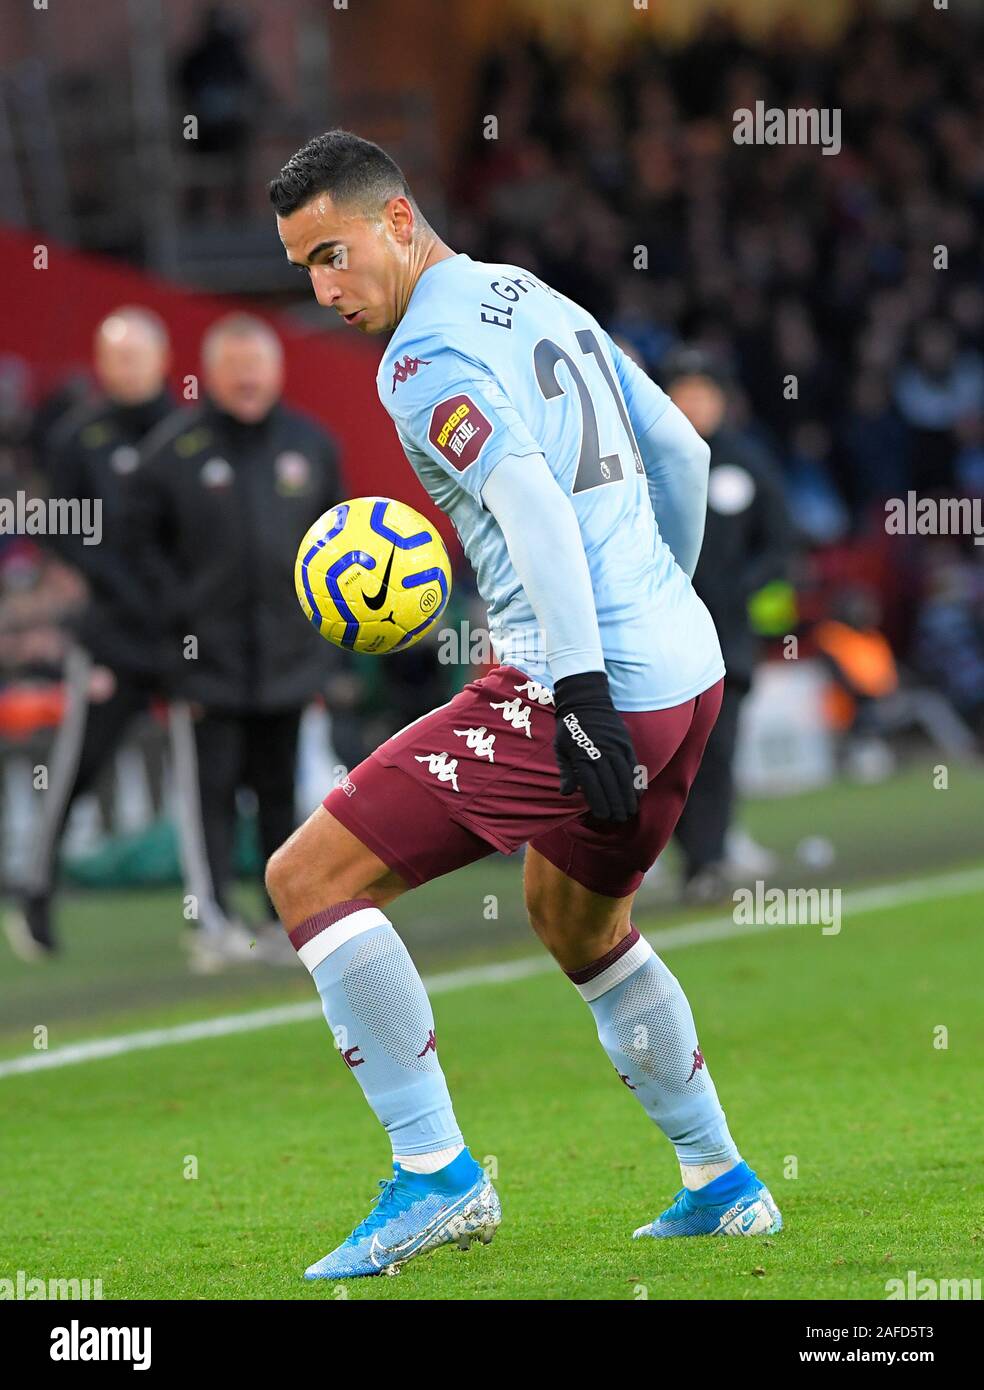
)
(858, 902)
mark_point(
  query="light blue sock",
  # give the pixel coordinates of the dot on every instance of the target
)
(376, 1006)
(646, 1027)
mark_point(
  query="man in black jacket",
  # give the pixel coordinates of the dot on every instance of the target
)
(221, 502)
(112, 667)
(747, 543)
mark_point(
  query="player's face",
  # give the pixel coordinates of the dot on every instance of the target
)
(357, 265)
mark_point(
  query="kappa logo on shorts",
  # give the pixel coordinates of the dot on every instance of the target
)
(443, 768)
(538, 694)
(459, 430)
(514, 712)
(479, 740)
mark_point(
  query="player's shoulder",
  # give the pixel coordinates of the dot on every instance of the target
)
(407, 356)
(430, 334)
(443, 337)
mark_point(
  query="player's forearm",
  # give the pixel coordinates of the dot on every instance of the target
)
(545, 546)
(677, 461)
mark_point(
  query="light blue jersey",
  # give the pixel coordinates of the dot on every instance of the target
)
(488, 363)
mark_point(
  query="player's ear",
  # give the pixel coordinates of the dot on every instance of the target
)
(401, 218)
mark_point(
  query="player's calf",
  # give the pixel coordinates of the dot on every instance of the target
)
(329, 889)
(646, 1027)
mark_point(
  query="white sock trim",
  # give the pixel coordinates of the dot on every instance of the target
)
(618, 971)
(697, 1175)
(428, 1163)
(335, 934)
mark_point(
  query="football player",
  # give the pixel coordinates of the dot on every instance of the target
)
(554, 455)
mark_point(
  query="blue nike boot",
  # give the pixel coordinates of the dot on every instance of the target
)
(735, 1204)
(414, 1214)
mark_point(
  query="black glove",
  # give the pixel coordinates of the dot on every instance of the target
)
(593, 747)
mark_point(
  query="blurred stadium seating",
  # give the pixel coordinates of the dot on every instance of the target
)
(613, 174)
(178, 1125)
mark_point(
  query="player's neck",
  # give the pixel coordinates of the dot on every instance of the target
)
(430, 250)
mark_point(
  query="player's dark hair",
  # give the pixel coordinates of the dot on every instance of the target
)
(351, 170)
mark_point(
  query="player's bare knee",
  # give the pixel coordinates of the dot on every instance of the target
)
(277, 877)
(314, 870)
(543, 918)
(294, 876)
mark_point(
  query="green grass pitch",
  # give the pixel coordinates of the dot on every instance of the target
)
(822, 1048)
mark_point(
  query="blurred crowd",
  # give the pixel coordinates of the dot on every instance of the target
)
(860, 275)
(837, 302)
(170, 627)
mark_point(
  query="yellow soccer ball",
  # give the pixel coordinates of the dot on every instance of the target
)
(372, 575)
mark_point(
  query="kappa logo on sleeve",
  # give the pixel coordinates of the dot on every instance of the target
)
(407, 368)
(458, 429)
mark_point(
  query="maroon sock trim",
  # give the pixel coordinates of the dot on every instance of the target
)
(581, 977)
(311, 926)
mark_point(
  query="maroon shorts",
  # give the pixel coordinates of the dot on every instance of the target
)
(479, 774)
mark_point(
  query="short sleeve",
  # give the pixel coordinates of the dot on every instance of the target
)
(446, 406)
